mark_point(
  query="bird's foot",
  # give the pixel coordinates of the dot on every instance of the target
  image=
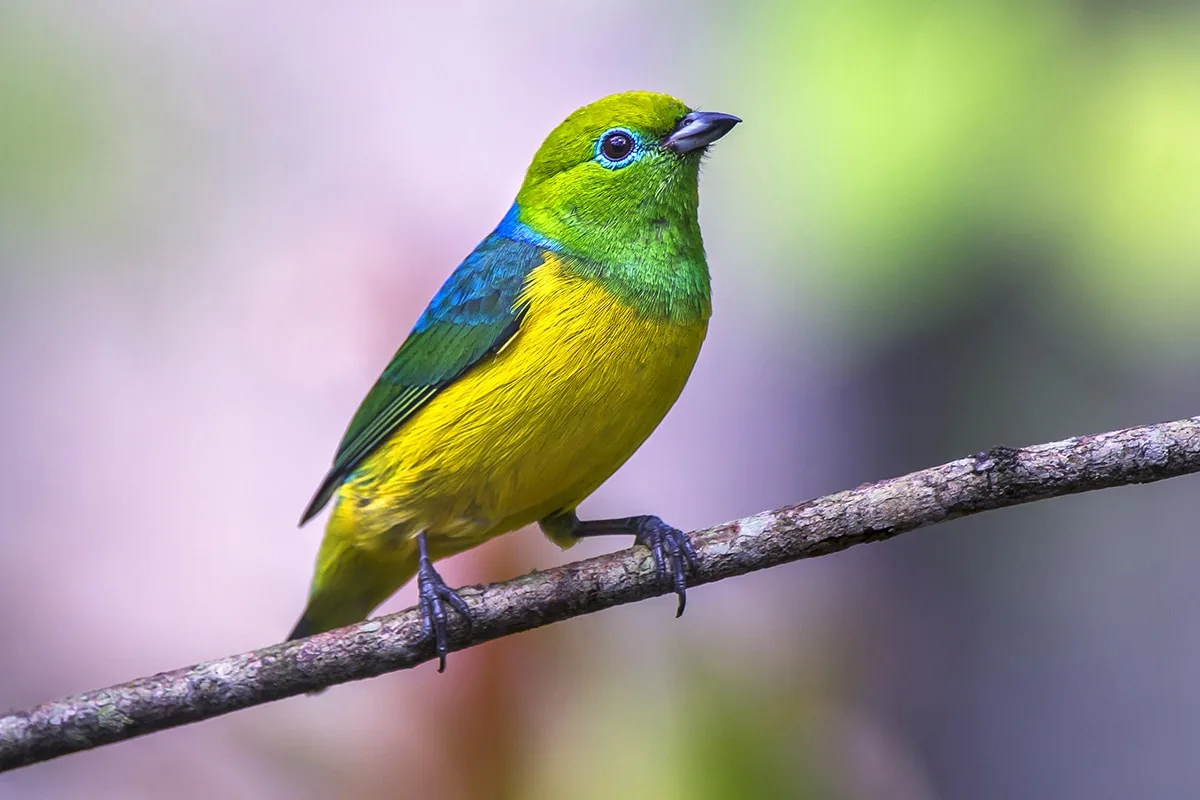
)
(434, 595)
(672, 551)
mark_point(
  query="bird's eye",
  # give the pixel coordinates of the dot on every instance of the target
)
(616, 147)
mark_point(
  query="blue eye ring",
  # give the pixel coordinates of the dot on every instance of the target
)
(616, 148)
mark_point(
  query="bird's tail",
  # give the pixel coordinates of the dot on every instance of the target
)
(305, 626)
(353, 575)
(350, 596)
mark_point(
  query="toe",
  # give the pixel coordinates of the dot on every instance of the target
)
(673, 554)
(434, 595)
(460, 605)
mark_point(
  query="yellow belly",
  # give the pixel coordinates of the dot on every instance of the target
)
(530, 432)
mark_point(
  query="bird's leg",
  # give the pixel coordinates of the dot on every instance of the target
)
(433, 593)
(670, 546)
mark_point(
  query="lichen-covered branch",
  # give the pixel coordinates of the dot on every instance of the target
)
(994, 479)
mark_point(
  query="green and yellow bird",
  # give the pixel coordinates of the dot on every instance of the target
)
(536, 371)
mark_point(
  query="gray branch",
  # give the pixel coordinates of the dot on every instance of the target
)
(872, 512)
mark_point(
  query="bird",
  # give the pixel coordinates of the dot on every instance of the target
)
(544, 361)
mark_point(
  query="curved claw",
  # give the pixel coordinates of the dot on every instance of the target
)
(673, 554)
(433, 593)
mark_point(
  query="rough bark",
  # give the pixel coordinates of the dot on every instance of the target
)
(871, 512)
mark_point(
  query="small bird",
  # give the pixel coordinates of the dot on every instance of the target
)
(544, 361)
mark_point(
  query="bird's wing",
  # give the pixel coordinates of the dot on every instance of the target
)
(470, 318)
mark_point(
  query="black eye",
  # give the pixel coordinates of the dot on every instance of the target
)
(616, 146)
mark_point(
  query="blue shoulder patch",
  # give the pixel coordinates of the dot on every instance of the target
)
(485, 285)
(511, 227)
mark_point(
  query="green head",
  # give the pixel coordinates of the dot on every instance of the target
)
(616, 182)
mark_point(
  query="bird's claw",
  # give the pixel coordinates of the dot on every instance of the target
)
(433, 594)
(672, 551)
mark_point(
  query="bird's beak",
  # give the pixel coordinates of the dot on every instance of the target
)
(698, 130)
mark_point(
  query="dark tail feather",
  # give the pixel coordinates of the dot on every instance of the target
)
(303, 628)
(324, 492)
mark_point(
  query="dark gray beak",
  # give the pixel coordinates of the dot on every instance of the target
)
(698, 130)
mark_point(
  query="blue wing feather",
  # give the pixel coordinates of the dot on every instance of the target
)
(470, 318)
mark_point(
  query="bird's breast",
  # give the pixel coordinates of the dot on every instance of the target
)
(540, 425)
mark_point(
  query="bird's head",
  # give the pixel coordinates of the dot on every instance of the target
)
(621, 175)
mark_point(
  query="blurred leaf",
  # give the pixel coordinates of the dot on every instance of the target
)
(748, 743)
(904, 144)
(900, 120)
(1130, 177)
(54, 131)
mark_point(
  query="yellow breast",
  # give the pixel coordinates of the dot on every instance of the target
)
(533, 430)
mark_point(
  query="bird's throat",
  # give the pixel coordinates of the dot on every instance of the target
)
(651, 258)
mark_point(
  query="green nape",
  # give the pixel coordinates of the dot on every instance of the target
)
(632, 227)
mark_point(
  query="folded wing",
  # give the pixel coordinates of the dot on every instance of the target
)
(473, 315)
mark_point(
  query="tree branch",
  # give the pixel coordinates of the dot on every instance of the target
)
(872, 512)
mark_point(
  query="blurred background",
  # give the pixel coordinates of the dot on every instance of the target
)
(942, 227)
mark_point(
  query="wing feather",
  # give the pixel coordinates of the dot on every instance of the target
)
(473, 315)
